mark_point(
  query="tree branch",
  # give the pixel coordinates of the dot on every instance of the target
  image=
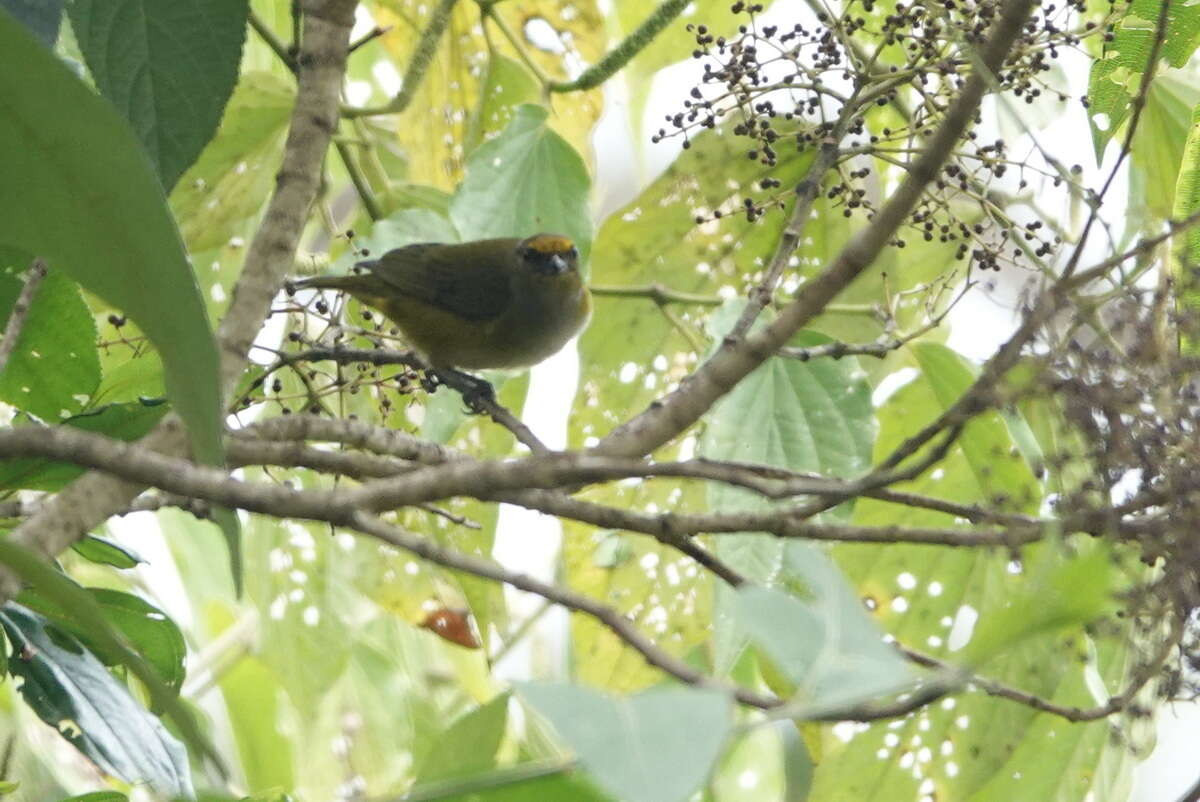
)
(94, 497)
(669, 417)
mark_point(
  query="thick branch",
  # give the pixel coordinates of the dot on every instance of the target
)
(94, 497)
(737, 358)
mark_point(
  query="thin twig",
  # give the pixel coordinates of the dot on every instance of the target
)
(626, 49)
(621, 626)
(418, 64)
(20, 311)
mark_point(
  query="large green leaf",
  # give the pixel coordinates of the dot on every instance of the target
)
(811, 416)
(822, 639)
(519, 783)
(1117, 75)
(54, 366)
(436, 134)
(658, 746)
(1000, 469)
(937, 600)
(468, 746)
(525, 180)
(92, 207)
(1187, 198)
(506, 86)
(168, 67)
(232, 178)
(1158, 144)
(632, 352)
(73, 692)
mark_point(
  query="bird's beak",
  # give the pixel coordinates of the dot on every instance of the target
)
(560, 264)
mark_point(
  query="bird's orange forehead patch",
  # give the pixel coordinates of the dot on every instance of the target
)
(550, 243)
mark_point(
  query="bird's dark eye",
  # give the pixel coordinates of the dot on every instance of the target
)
(573, 253)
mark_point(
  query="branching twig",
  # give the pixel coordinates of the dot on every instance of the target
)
(670, 416)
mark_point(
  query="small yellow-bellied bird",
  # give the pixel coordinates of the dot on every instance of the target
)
(494, 303)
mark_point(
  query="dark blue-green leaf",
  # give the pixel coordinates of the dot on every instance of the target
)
(91, 205)
(106, 552)
(145, 627)
(169, 68)
(42, 17)
(72, 691)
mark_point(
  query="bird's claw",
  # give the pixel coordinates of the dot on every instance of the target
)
(478, 394)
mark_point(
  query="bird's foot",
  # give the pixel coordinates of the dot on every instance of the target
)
(478, 394)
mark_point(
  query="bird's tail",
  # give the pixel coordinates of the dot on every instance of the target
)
(346, 283)
(365, 283)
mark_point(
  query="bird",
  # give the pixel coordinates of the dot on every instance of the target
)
(492, 303)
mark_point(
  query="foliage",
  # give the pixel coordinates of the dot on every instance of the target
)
(810, 550)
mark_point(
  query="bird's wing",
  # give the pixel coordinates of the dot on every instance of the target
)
(471, 287)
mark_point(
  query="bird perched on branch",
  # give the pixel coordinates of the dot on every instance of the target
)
(494, 303)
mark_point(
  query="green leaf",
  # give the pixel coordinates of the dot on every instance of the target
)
(99, 796)
(506, 85)
(631, 351)
(1059, 595)
(523, 782)
(1187, 196)
(1158, 144)
(103, 551)
(406, 227)
(657, 746)
(83, 609)
(102, 220)
(54, 367)
(1000, 469)
(769, 762)
(234, 175)
(131, 379)
(811, 416)
(825, 643)
(935, 599)
(71, 691)
(468, 746)
(1117, 75)
(527, 179)
(145, 627)
(252, 700)
(42, 17)
(126, 422)
(167, 67)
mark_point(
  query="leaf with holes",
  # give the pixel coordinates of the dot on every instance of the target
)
(54, 366)
(531, 162)
(73, 692)
(556, 35)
